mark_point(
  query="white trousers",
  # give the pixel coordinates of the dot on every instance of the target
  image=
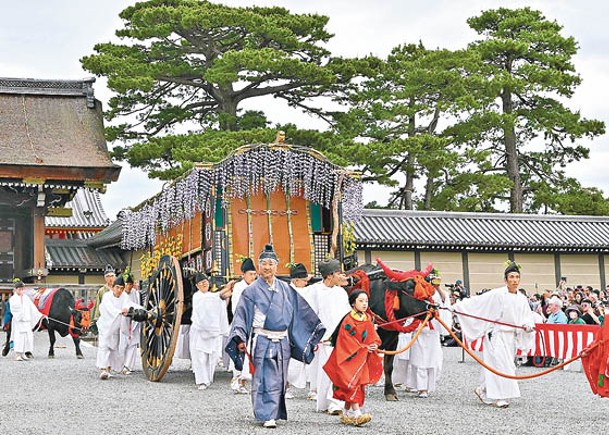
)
(325, 400)
(203, 366)
(109, 353)
(23, 341)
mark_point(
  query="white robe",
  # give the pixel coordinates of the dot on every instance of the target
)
(500, 350)
(426, 354)
(209, 325)
(299, 373)
(130, 330)
(109, 325)
(237, 292)
(402, 371)
(330, 304)
(25, 317)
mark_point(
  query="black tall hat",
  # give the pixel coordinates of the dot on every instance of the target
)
(119, 281)
(328, 267)
(512, 267)
(200, 276)
(298, 270)
(268, 253)
(19, 283)
(247, 265)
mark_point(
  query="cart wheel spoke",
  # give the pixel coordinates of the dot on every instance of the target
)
(165, 303)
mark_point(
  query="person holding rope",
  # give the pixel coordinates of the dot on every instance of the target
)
(209, 325)
(354, 364)
(25, 317)
(129, 342)
(508, 325)
(112, 311)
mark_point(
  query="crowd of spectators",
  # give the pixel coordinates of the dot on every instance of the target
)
(579, 305)
(566, 305)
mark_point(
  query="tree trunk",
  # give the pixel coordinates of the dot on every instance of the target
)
(409, 165)
(407, 203)
(227, 110)
(428, 193)
(511, 154)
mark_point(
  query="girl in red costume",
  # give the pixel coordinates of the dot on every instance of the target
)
(353, 363)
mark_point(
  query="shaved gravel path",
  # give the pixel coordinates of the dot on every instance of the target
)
(64, 396)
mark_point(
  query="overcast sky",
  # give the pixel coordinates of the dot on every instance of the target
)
(46, 39)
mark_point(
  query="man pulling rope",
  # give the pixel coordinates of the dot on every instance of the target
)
(504, 306)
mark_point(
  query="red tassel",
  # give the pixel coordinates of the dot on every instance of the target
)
(396, 302)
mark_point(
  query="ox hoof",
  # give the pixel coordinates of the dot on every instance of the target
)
(5, 351)
(391, 397)
(80, 357)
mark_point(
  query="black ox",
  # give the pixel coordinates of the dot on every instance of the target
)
(66, 316)
(408, 306)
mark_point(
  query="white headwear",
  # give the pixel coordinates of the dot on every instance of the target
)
(555, 300)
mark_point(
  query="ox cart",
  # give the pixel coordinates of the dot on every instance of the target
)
(218, 214)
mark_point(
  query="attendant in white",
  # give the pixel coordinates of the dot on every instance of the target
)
(426, 356)
(25, 317)
(239, 382)
(130, 330)
(505, 304)
(402, 369)
(330, 302)
(109, 277)
(209, 325)
(297, 371)
(111, 312)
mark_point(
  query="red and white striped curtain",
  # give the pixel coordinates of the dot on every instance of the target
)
(558, 341)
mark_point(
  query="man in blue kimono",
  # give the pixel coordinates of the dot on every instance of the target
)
(275, 323)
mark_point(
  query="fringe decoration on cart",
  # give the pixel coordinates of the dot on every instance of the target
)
(299, 171)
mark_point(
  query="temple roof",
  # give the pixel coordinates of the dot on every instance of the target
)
(52, 126)
(437, 230)
(87, 212)
(76, 254)
(110, 237)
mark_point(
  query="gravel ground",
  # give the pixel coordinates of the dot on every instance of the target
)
(64, 396)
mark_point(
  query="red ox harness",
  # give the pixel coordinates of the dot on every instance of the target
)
(85, 318)
(423, 291)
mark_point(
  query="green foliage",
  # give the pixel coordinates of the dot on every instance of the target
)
(568, 196)
(478, 129)
(192, 63)
(394, 117)
(525, 73)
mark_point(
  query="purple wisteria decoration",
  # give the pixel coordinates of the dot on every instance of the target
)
(298, 171)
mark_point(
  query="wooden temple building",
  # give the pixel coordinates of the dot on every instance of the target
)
(51, 145)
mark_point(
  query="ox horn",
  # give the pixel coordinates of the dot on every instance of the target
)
(78, 305)
(91, 304)
(398, 276)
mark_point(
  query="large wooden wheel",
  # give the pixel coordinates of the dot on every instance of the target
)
(165, 305)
